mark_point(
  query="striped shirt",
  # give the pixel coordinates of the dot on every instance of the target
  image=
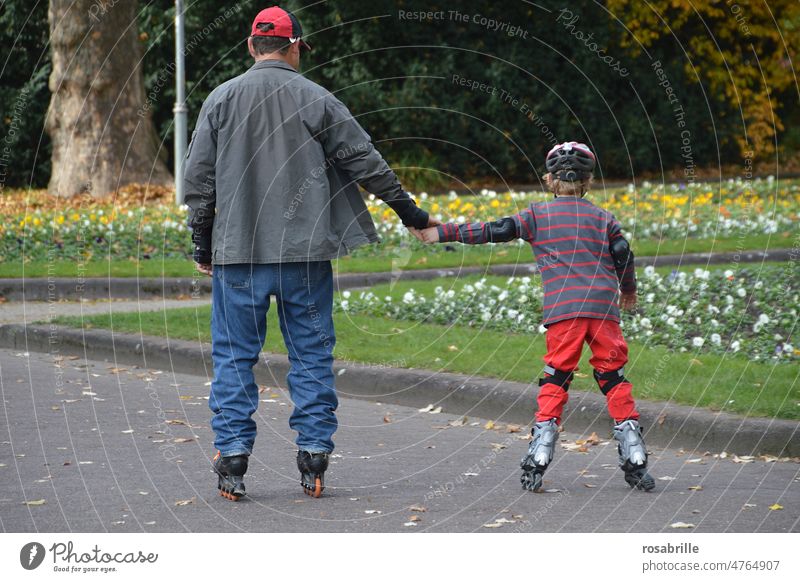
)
(570, 238)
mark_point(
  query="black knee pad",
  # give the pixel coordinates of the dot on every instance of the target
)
(557, 377)
(612, 379)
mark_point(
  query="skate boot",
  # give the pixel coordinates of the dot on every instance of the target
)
(312, 472)
(231, 472)
(540, 453)
(633, 455)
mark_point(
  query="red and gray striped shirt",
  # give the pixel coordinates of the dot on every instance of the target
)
(570, 237)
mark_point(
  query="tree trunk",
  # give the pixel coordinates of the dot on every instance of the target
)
(102, 135)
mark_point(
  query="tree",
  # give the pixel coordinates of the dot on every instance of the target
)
(99, 124)
(741, 51)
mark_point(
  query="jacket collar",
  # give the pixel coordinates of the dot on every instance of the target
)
(269, 63)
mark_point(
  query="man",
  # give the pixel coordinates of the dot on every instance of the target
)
(270, 181)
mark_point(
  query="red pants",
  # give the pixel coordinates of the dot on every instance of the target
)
(609, 353)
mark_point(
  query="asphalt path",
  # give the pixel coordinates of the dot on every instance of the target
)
(90, 446)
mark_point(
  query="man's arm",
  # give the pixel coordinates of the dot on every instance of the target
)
(199, 182)
(522, 225)
(347, 144)
(623, 258)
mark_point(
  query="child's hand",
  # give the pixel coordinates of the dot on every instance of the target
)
(627, 301)
(429, 235)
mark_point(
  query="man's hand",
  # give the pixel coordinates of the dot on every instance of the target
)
(429, 235)
(433, 221)
(627, 301)
(204, 268)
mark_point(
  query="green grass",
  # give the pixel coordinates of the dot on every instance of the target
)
(733, 384)
(387, 258)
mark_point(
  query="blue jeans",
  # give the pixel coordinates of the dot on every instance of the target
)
(240, 301)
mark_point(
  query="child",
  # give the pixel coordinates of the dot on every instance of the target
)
(584, 261)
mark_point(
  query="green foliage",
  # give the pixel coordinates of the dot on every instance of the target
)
(24, 94)
(562, 73)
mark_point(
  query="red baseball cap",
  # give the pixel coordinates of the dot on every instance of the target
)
(275, 21)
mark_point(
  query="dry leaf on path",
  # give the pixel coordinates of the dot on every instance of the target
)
(181, 502)
(42, 502)
(775, 507)
(418, 508)
(681, 525)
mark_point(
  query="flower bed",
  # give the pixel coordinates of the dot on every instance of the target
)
(751, 312)
(142, 223)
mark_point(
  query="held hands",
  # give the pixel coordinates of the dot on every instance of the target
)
(627, 301)
(421, 235)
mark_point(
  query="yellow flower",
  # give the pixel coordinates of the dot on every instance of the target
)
(495, 203)
(36, 222)
(75, 217)
(60, 220)
(435, 207)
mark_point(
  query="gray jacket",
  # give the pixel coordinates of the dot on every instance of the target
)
(270, 175)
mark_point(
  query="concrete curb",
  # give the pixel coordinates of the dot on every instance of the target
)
(73, 289)
(666, 424)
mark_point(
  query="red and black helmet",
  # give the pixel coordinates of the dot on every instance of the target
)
(570, 161)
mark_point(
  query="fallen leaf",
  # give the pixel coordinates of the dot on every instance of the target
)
(593, 439)
(695, 488)
(681, 525)
(176, 421)
(498, 446)
(182, 440)
(410, 524)
(743, 459)
(415, 518)
(512, 428)
(697, 460)
(372, 511)
(387, 419)
(552, 490)
(129, 431)
(493, 525)
(661, 419)
(590, 485)
(418, 508)
(427, 408)
(470, 474)
(459, 421)
(489, 425)
(184, 502)
(436, 410)
(748, 505)
(775, 507)
(452, 348)
(503, 520)
(666, 478)
(42, 502)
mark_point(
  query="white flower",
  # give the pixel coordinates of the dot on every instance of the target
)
(645, 323)
(759, 284)
(346, 294)
(649, 271)
(522, 299)
(486, 315)
(735, 346)
(650, 297)
(716, 339)
(542, 329)
(408, 297)
(698, 342)
(344, 305)
(789, 348)
(763, 318)
(741, 292)
(728, 273)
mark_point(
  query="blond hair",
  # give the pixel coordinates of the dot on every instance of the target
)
(565, 188)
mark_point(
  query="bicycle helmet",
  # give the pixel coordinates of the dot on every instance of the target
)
(570, 161)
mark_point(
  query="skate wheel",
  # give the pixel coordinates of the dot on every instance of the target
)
(316, 491)
(228, 496)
